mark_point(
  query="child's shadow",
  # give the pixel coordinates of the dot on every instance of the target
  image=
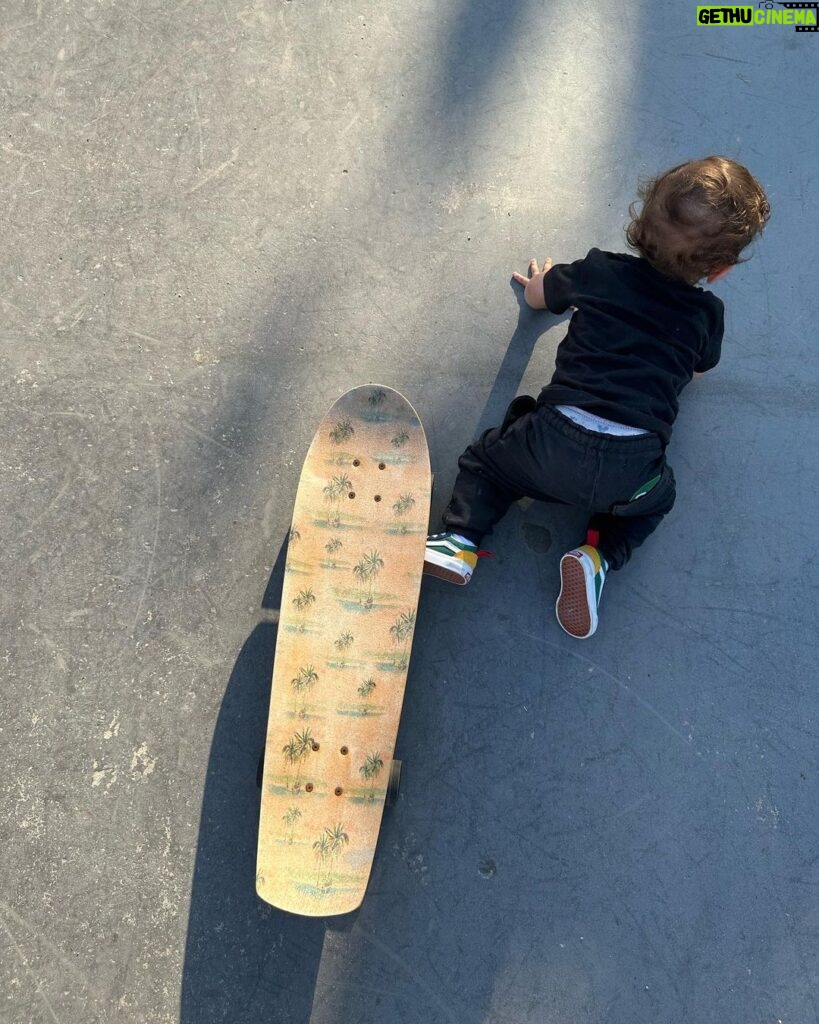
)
(532, 323)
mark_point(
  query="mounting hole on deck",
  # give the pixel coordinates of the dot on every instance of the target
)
(394, 783)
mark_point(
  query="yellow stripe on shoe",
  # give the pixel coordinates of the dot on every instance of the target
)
(594, 555)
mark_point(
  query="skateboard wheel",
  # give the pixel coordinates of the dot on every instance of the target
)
(394, 783)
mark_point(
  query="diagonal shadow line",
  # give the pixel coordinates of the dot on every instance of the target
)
(472, 49)
(472, 53)
(472, 46)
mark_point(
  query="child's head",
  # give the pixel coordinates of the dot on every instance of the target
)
(698, 217)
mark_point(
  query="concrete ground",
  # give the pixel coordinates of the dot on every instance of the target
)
(217, 216)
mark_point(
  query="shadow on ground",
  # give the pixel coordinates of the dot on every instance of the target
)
(531, 325)
(243, 957)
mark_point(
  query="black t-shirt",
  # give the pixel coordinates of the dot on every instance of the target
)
(634, 341)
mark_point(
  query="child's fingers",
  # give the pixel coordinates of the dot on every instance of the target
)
(533, 269)
(520, 278)
(547, 266)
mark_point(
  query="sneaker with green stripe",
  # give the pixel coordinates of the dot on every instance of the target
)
(582, 575)
(450, 557)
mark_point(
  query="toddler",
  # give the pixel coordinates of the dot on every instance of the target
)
(596, 436)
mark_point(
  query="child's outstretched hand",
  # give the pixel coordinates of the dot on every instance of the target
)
(533, 284)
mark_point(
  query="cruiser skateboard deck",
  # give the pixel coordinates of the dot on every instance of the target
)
(352, 578)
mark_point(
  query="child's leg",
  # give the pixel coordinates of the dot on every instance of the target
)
(630, 523)
(489, 480)
(479, 499)
(611, 538)
(506, 463)
(619, 537)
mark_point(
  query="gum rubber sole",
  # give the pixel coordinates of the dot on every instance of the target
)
(574, 612)
(431, 569)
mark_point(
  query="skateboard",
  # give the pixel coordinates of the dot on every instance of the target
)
(352, 577)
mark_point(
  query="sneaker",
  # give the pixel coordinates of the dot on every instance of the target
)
(582, 575)
(450, 557)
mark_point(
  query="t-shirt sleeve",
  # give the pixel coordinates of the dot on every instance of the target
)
(561, 285)
(712, 349)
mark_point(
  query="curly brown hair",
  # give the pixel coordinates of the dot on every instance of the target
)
(698, 217)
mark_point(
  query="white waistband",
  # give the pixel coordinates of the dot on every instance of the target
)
(598, 424)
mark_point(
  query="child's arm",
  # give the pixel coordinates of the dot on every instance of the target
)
(533, 284)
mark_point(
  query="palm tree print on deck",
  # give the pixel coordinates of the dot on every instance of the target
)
(293, 537)
(333, 492)
(303, 601)
(401, 634)
(364, 691)
(370, 770)
(401, 507)
(341, 432)
(296, 752)
(333, 546)
(366, 687)
(328, 849)
(322, 848)
(375, 399)
(342, 644)
(367, 570)
(290, 820)
(302, 683)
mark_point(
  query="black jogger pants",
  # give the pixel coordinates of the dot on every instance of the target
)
(539, 453)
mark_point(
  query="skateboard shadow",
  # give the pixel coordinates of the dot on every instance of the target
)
(244, 960)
